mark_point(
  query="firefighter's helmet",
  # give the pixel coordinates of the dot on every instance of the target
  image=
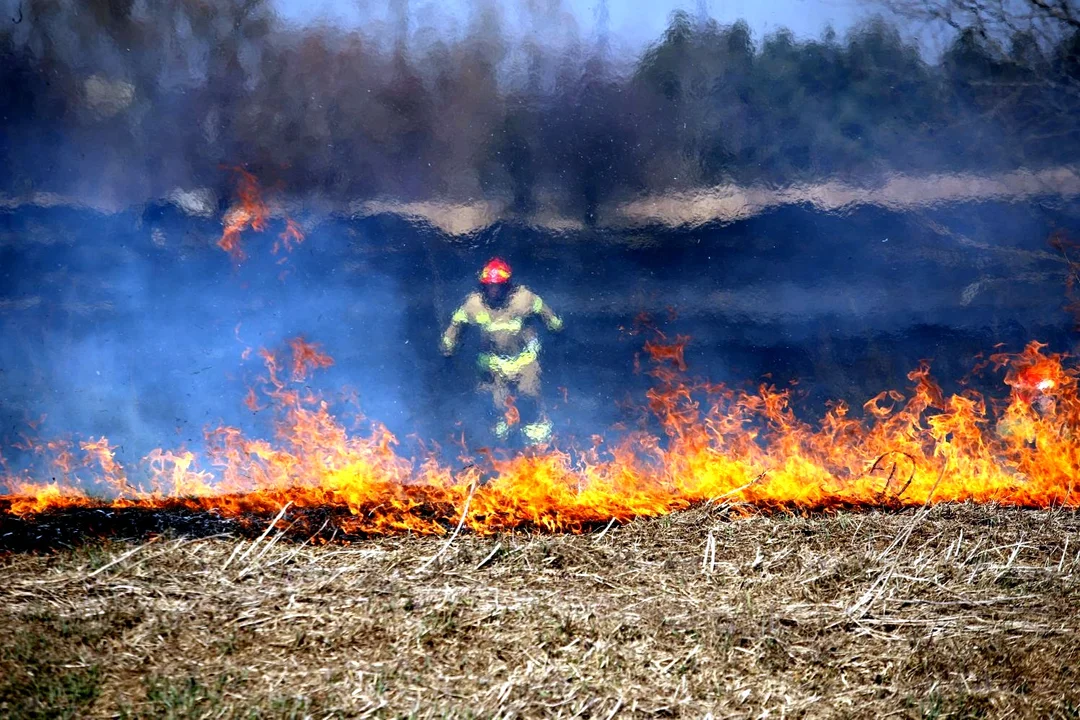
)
(1034, 382)
(496, 272)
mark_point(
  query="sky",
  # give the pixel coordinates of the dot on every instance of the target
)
(633, 22)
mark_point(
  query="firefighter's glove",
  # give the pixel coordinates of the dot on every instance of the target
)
(537, 433)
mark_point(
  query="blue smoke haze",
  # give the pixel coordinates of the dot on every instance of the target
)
(132, 326)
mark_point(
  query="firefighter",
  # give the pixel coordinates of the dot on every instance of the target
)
(509, 361)
(1035, 388)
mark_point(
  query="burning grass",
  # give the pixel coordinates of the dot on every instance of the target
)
(949, 611)
(322, 574)
(718, 444)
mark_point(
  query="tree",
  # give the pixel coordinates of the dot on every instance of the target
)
(1017, 61)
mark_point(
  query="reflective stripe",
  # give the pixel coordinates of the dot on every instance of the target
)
(515, 366)
(537, 432)
(538, 304)
(483, 319)
(460, 317)
(513, 325)
(556, 324)
(447, 343)
(509, 367)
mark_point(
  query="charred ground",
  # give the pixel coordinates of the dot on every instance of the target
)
(952, 612)
(65, 528)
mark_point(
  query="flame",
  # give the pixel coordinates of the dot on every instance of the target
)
(674, 352)
(251, 401)
(100, 452)
(1031, 375)
(747, 448)
(512, 414)
(307, 357)
(172, 474)
(29, 498)
(291, 236)
(251, 212)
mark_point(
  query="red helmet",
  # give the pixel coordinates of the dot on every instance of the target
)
(496, 272)
(1033, 382)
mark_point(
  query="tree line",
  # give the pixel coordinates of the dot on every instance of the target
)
(108, 92)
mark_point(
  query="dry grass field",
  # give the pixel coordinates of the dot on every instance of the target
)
(955, 611)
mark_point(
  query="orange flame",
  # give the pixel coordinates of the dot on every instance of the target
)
(251, 401)
(1031, 374)
(307, 357)
(29, 498)
(291, 236)
(673, 353)
(251, 212)
(512, 414)
(718, 444)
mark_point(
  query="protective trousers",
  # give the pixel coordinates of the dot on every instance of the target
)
(514, 385)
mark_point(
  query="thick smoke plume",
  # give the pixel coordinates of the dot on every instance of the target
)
(129, 100)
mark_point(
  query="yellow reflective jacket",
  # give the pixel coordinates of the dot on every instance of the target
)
(504, 331)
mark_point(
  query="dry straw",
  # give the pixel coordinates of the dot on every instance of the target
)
(947, 611)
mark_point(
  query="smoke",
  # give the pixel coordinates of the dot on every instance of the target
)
(111, 333)
(136, 326)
